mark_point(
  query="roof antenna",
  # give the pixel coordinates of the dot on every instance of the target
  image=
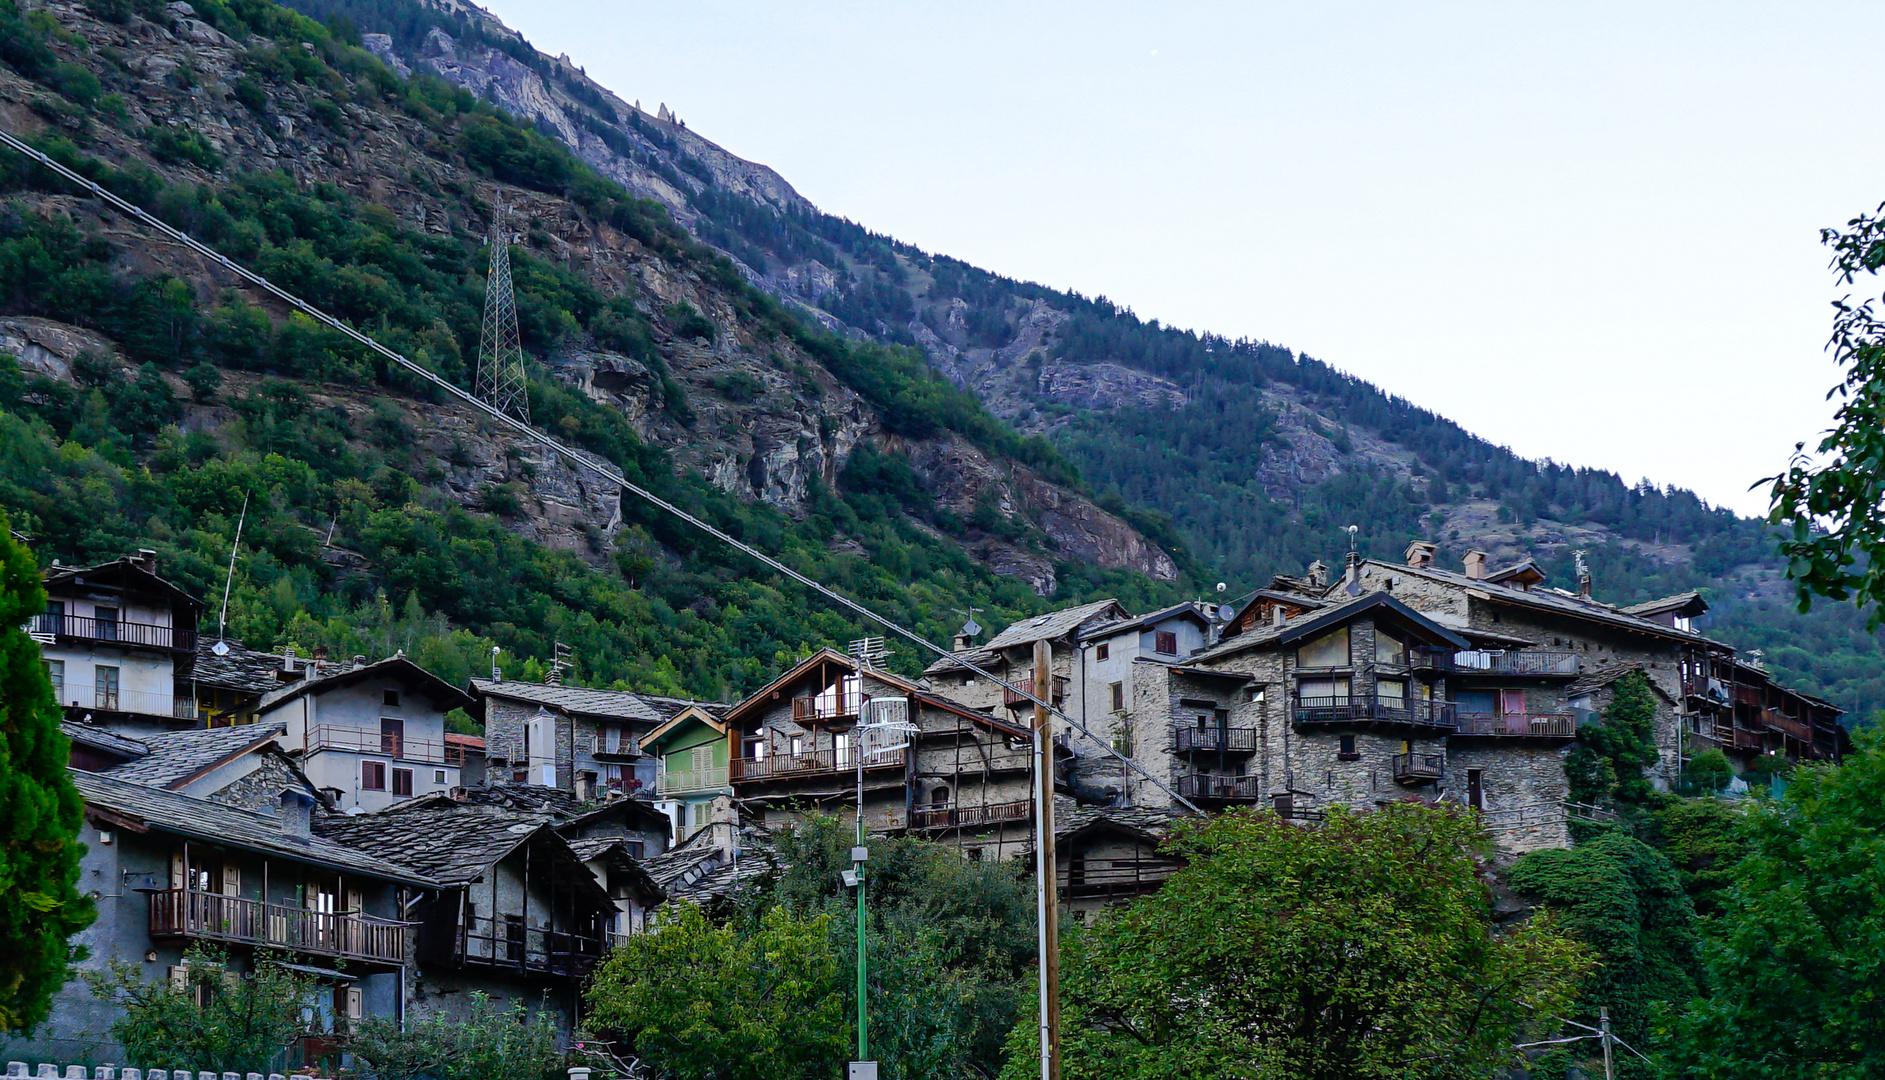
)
(221, 648)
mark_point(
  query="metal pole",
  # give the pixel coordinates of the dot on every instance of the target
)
(1603, 1027)
(1046, 865)
(863, 1024)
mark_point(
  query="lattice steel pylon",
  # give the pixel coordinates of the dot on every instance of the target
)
(500, 376)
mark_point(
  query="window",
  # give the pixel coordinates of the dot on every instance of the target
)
(373, 776)
(1391, 691)
(798, 745)
(1165, 642)
(55, 674)
(392, 737)
(1348, 752)
(843, 743)
(974, 854)
(1329, 650)
(1325, 693)
(756, 749)
(1389, 650)
(106, 621)
(402, 782)
(1105, 650)
(105, 681)
(55, 616)
(1119, 697)
(696, 815)
(390, 697)
(438, 776)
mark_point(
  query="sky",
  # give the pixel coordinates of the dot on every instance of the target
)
(1589, 232)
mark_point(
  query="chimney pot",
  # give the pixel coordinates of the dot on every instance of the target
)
(359, 661)
(1420, 553)
(1475, 563)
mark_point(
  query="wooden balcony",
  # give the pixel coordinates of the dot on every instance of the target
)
(1517, 662)
(1516, 725)
(1219, 788)
(201, 916)
(1419, 768)
(969, 817)
(1376, 711)
(777, 767)
(1012, 700)
(1222, 740)
(86, 630)
(837, 705)
(112, 699)
(385, 744)
(508, 943)
(1778, 721)
(623, 748)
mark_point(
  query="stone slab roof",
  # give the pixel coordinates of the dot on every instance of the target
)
(1329, 616)
(174, 756)
(453, 844)
(610, 704)
(1557, 601)
(1603, 675)
(200, 819)
(242, 670)
(109, 741)
(1053, 624)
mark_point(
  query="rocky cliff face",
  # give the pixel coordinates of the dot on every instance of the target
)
(768, 421)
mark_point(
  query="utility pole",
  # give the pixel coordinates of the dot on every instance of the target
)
(858, 855)
(1603, 1029)
(1046, 870)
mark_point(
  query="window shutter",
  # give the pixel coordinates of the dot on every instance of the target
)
(179, 977)
(232, 879)
(356, 902)
(356, 1003)
(177, 874)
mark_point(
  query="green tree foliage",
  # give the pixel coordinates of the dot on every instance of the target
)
(1622, 898)
(489, 1042)
(1360, 949)
(214, 1019)
(1611, 756)
(1796, 959)
(1702, 838)
(1710, 770)
(1834, 504)
(705, 1002)
(40, 811)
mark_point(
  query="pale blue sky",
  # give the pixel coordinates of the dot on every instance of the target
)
(1586, 231)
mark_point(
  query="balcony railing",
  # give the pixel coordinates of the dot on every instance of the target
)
(1419, 768)
(508, 943)
(1230, 740)
(1424, 659)
(959, 817)
(810, 763)
(1227, 788)
(386, 744)
(1799, 729)
(1516, 662)
(681, 781)
(830, 706)
(1359, 707)
(113, 632)
(624, 745)
(1012, 700)
(187, 913)
(139, 702)
(1517, 725)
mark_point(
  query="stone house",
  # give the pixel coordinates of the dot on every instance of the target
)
(236, 766)
(118, 643)
(169, 870)
(370, 735)
(572, 737)
(962, 776)
(1010, 655)
(1108, 857)
(519, 916)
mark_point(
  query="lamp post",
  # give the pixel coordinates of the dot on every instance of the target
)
(864, 1068)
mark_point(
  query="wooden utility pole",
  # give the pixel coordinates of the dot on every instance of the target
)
(1046, 868)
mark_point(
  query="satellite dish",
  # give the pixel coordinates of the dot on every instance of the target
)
(1226, 612)
(221, 648)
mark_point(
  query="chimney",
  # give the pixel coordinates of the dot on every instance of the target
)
(1476, 565)
(962, 642)
(1583, 584)
(585, 786)
(1420, 553)
(358, 662)
(1318, 573)
(1351, 580)
(146, 559)
(297, 813)
(291, 669)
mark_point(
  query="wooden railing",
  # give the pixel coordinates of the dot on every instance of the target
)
(1419, 767)
(399, 747)
(1352, 707)
(624, 745)
(1517, 662)
(1215, 738)
(1779, 721)
(508, 943)
(114, 631)
(959, 817)
(675, 781)
(1517, 725)
(1201, 786)
(1011, 699)
(827, 707)
(187, 913)
(811, 762)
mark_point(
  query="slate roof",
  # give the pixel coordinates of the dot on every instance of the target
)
(109, 741)
(453, 844)
(174, 756)
(1119, 626)
(125, 572)
(201, 819)
(1690, 601)
(443, 694)
(1027, 631)
(1155, 821)
(243, 670)
(1552, 600)
(1599, 677)
(611, 704)
(1330, 616)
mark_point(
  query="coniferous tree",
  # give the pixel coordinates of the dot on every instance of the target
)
(40, 811)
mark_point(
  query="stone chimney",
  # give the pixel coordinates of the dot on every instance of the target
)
(585, 786)
(961, 643)
(146, 560)
(1318, 574)
(1420, 553)
(358, 662)
(297, 813)
(1351, 579)
(1583, 584)
(1476, 565)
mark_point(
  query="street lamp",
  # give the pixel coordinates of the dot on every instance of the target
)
(880, 720)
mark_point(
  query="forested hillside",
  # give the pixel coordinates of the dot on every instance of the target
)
(1260, 456)
(146, 398)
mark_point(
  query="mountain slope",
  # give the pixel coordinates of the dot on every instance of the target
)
(147, 395)
(1259, 455)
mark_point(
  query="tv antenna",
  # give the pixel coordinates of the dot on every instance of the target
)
(221, 648)
(500, 380)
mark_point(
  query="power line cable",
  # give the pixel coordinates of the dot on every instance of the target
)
(574, 456)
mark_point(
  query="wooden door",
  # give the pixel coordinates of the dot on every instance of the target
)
(1512, 707)
(392, 737)
(1475, 793)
